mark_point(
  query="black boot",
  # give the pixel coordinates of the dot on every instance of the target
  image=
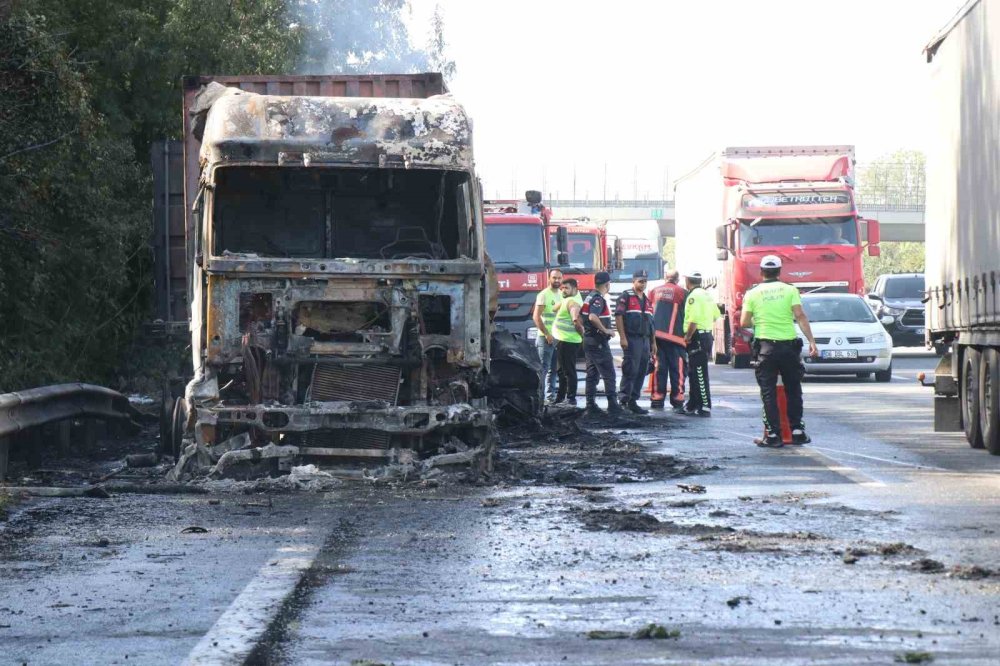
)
(770, 440)
(614, 408)
(593, 410)
(634, 407)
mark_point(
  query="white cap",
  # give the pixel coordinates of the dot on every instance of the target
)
(770, 261)
(694, 275)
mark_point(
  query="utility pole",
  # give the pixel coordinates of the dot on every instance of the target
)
(635, 182)
(605, 181)
(574, 181)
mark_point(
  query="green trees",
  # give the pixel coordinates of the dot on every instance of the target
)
(85, 87)
(72, 217)
(895, 179)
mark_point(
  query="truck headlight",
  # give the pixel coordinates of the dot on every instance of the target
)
(895, 312)
(875, 337)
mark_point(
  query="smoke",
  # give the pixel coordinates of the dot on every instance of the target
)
(356, 37)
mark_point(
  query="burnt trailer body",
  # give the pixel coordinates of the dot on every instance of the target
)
(337, 283)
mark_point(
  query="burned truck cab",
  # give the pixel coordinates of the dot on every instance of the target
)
(338, 285)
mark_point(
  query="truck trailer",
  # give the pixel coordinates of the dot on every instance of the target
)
(640, 248)
(796, 202)
(337, 275)
(963, 223)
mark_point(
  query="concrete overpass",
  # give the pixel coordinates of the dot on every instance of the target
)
(899, 222)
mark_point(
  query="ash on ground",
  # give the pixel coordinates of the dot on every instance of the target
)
(566, 448)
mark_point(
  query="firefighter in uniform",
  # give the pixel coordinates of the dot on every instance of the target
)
(544, 316)
(568, 332)
(634, 319)
(772, 308)
(671, 348)
(597, 332)
(700, 313)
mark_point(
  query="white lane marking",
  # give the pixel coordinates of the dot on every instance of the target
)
(850, 473)
(234, 635)
(885, 460)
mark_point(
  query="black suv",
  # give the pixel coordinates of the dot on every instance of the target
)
(900, 296)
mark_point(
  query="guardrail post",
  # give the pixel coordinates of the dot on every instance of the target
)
(64, 430)
(89, 435)
(4, 456)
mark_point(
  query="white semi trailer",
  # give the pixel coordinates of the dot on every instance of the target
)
(963, 222)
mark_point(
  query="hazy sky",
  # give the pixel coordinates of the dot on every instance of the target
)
(653, 87)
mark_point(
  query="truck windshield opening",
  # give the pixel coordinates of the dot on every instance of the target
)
(582, 250)
(341, 213)
(515, 244)
(799, 231)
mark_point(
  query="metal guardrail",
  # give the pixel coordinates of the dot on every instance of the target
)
(48, 404)
(23, 410)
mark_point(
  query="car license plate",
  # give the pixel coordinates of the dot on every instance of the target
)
(532, 333)
(840, 353)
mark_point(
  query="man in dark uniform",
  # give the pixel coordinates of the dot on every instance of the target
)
(671, 349)
(634, 319)
(596, 316)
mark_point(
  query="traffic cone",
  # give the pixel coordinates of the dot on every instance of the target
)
(785, 427)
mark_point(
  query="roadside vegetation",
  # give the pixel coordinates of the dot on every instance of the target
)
(85, 87)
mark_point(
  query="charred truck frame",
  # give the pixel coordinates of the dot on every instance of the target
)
(337, 285)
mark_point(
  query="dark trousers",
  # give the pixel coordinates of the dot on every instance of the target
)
(566, 352)
(635, 362)
(599, 366)
(700, 396)
(783, 358)
(671, 368)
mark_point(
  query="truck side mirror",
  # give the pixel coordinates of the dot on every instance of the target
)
(721, 237)
(874, 233)
(618, 263)
(562, 258)
(562, 241)
(722, 254)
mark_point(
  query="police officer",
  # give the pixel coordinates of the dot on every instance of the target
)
(597, 332)
(568, 332)
(700, 313)
(771, 308)
(544, 316)
(671, 348)
(634, 319)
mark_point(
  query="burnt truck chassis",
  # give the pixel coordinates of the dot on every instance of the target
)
(339, 291)
(287, 364)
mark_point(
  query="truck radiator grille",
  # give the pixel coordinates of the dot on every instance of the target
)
(367, 382)
(347, 439)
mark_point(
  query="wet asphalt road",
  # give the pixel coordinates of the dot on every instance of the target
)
(788, 557)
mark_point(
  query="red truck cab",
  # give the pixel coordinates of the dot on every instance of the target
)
(517, 242)
(587, 246)
(794, 202)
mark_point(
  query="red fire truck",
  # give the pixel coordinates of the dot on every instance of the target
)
(587, 246)
(796, 202)
(516, 240)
